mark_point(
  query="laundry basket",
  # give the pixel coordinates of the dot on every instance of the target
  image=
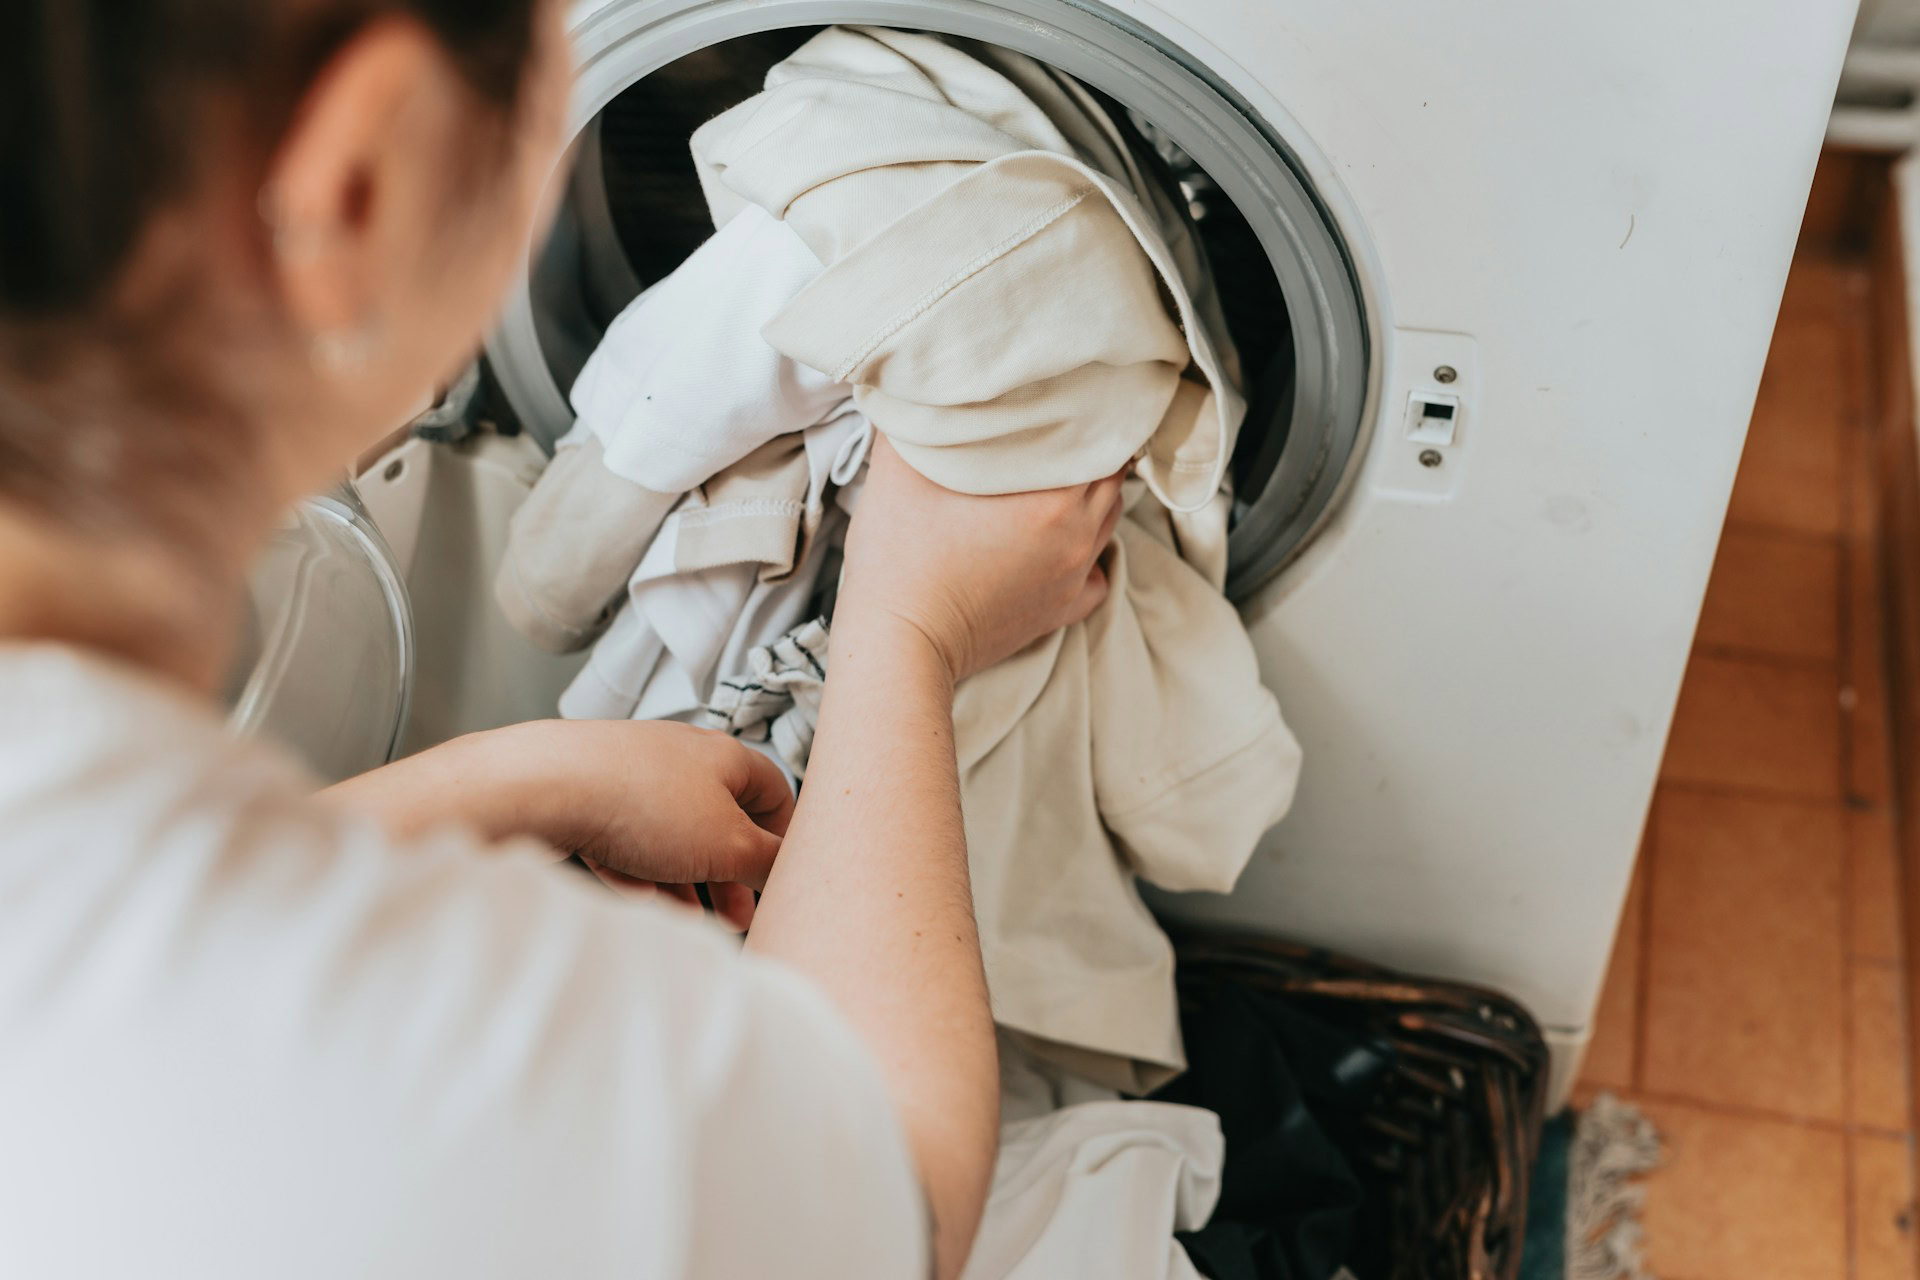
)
(1376, 1121)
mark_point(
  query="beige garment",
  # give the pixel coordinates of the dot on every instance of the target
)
(557, 587)
(1015, 316)
(576, 541)
(734, 567)
(1137, 743)
(1018, 306)
(944, 199)
(755, 512)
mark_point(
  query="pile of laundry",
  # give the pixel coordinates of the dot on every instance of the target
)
(1000, 281)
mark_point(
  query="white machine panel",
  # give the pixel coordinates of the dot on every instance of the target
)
(1481, 657)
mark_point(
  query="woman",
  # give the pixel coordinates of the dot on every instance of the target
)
(247, 1031)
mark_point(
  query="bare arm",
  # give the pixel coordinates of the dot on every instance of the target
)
(870, 895)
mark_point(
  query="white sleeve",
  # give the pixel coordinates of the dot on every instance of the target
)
(259, 1041)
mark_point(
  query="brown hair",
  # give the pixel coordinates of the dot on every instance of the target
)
(99, 100)
(104, 108)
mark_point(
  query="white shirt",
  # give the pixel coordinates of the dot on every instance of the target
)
(241, 1036)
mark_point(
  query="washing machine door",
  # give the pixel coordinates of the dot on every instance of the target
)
(652, 70)
(326, 659)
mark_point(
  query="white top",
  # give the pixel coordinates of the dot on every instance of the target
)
(242, 1036)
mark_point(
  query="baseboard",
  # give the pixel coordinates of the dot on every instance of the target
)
(1893, 254)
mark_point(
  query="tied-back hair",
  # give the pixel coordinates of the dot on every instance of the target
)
(106, 109)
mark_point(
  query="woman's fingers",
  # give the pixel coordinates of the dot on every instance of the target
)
(1092, 592)
(1116, 508)
(733, 903)
(763, 793)
(617, 882)
(746, 855)
(1105, 491)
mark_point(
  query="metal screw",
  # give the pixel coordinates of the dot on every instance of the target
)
(1430, 458)
(1445, 373)
(394, 470)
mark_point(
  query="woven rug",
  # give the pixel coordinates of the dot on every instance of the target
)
(1583, 1219)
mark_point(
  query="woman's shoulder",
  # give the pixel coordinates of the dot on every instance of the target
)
(79, 730)
(106, 769)
(304, 996)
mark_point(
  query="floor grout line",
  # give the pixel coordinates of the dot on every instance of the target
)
(1758, 1115)
(1762, 658)
(1749, 527)
(1784, 532)
(1735, 791)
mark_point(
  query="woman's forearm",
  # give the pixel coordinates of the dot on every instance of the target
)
(870, 898)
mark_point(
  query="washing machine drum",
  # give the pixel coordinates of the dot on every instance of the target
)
(655, 70)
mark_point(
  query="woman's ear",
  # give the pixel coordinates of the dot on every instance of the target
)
(355, 192)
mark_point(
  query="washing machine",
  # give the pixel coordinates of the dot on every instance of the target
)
(1503, 274)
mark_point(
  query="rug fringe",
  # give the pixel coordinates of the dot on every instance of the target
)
(1612, 1145)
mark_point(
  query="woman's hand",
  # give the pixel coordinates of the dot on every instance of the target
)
(980, 578)
(644, 800)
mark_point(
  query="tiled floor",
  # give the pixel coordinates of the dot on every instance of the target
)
(1754, 1004)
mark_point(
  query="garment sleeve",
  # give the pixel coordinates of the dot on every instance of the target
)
(277, 1044)
(795, 1153)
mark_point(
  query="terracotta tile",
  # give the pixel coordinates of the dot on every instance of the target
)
(1883, 1208)
(1746, 1199)
(1862, 496)
(1610, 1055)
(1584, 1092)
(1814, 287)
(1775, 594)
(1811, 379)
(1877, 1073)
(1746, 964)
(1791, 472)
(1823, 290)
(1869, 763)
(1873, 886)
(1755, 724)
(1869, 757)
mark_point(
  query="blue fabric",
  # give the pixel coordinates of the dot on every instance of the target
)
(1545, 1254)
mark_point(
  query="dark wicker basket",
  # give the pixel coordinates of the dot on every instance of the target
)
(1436, 1103)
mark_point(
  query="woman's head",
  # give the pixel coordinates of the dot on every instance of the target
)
(239, 238)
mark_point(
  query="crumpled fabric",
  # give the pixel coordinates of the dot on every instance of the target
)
(776, 700)
(556, 587)
(1089, 1185)
(947, 186)
(1017, 304)
(735, 566)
